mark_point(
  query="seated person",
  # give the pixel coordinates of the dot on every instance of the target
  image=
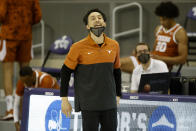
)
(34, 79)
(148, 65)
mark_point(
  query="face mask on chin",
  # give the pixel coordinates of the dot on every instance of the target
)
(97, 31)
(144, 58)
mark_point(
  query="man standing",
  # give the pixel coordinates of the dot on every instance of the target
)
(147, 65)
(17, 18)
(171, 39)
(97, 76)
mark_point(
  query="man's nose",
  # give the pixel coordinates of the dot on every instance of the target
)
(97, 19)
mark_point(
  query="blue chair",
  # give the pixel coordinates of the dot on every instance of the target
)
(60, 46)
(191, 33)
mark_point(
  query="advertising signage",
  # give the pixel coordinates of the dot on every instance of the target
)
(136, 112)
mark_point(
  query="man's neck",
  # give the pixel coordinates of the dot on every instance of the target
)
(98, 40)
(145, 66)
(173, 23)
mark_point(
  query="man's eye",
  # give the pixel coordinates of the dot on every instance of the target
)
(93, 19)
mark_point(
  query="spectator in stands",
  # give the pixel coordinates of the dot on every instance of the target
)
(16, 18)
(97, 76)
(171, 39)
(148, 65)
(34, 79)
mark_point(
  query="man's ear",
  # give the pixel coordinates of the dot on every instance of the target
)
(87, 26)
(104, 24)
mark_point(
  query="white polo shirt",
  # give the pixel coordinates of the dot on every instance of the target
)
(134, 61)
(156, 66)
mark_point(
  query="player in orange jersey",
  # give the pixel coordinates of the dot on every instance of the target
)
(34, 79)
(171, 39)
(17, 18)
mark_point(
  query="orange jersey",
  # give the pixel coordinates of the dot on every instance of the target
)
(43, 80)
(17, 18)
(166, 44)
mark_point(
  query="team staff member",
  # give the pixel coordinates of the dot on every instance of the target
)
(16, 18)
(171, 39)
(96, 65)
(34, 79)
(147, 66)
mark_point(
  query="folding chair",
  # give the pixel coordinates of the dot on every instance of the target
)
(60, 46)
(191, 20)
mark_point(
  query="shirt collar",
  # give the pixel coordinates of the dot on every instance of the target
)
(92, 42)
(169, 30)
(150, 66)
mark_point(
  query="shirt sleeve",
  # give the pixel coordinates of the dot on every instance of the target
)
(164, 67)
(65, 78)
(3, 10)
(20, 88)
(134, 81)
(117, 78)
(117, 60)
(71, 59)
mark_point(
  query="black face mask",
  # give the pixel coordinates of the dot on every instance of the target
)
(97, 31)
(144, 58)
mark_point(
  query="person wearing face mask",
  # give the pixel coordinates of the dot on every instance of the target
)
(34, 79)
(97, 76)
(147, 65)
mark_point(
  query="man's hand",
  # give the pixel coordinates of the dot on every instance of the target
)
(117, 99)
(17, 125)
(66, 107)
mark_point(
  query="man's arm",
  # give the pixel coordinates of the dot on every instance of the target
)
(65, 77)
(37, 15)
(117, 77)
(182, 40)
(126, 64)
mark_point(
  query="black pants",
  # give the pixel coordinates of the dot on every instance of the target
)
(107, 119)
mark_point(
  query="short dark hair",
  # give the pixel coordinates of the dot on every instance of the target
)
(26, 71)
(167, 9)
(141, 43)
(85, 18)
